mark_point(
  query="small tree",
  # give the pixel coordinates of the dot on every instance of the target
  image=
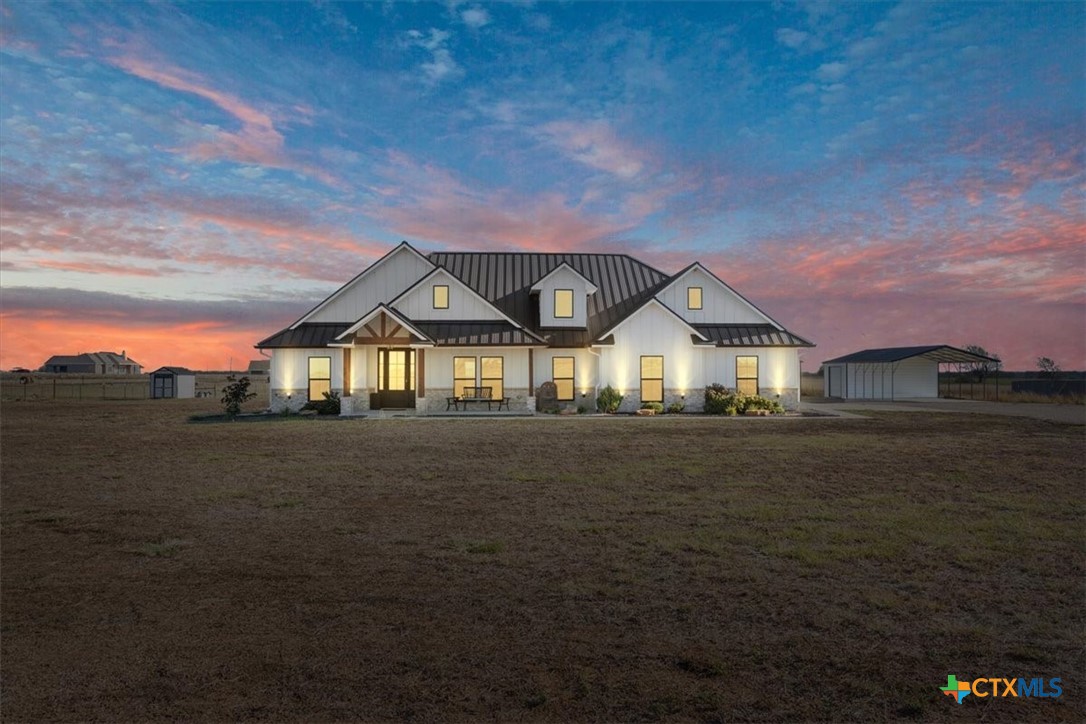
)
(1048, 367)
(981, 370)
(235, 394)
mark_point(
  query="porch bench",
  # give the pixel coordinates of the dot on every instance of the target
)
(477, 394)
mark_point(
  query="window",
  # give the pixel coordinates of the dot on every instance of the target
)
(441, 296)
(492, 369)
(562, 375)
(563, 304)
(746, 375)
(652, 379)
(463, 374)
(320, 377)
(693, 297)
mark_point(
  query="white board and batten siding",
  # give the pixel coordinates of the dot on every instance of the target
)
(778, 367)
(563, 278)
(439, 365)
(380, 283)
(652, 331)
(464, 303)
(290, 368)
(585, 367)
(719, 305)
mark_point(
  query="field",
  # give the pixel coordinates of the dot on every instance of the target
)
(535, 569)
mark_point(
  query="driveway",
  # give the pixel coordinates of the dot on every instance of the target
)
(1067, 414)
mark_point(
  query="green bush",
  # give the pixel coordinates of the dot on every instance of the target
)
(328, 406)
(675, 408)
(654, 406)
(608, 400)
(234, 395)
(719, 400)
(581, 409)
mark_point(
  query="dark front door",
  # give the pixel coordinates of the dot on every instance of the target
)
(163, 386)
(396, 377)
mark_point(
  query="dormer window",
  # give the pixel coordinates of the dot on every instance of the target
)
(563, 304)
(693, 297)
(441, 296)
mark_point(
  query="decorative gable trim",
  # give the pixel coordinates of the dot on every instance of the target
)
(698, 265)
(382, 331)
(349, 285)
(538, 286)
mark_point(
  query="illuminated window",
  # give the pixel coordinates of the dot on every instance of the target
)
(563, 303)
(746, 375)
(320, 377)
(562, 376)
(652, 379)
(441, 296)
(463, 374)
(693, 297)
(492, 369)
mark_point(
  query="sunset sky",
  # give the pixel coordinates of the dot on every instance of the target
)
(181, 181)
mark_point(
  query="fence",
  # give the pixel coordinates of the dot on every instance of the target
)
(38, 386)
(1010, 389)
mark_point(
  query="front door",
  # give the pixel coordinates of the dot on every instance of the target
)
(163, 386)
(396, 377)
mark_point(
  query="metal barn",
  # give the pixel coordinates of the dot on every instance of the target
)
(173, 382)
(892, 373)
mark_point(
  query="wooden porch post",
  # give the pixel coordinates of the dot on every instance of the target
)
(347, 372)
(531, 372)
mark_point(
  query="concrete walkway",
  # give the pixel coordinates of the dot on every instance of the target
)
(1068, 414)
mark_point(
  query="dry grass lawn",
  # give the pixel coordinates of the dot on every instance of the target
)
(535, 569)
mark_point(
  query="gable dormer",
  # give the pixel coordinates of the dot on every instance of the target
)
(440, 296)
(700, 297)
(563, 298)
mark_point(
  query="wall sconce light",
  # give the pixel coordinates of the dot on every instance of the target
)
(683, 396)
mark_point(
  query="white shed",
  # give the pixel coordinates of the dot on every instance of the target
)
(892, 373)
(173, 382)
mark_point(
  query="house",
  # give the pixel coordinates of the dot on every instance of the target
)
(412, 330)
(173, 382)
(893, 373)
(93, 363)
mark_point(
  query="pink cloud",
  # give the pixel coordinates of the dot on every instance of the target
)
(423, 201)
(258, 141)
(595, 144)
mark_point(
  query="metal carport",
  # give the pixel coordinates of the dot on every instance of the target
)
(890, 373)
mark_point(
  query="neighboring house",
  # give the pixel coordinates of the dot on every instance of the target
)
(893, 373)
(413, 329)
(93, 363)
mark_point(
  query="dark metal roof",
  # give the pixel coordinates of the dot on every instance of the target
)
(750, 335)
(475, 333)
(174, 370)
(505, 280)
(937, 353)
(307, 334)
(69, 359)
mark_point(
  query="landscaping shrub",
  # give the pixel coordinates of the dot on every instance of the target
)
(719, 400)
(608, 400)
(675, 408)
(234, 395)
(328, 406)
(654, 406)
